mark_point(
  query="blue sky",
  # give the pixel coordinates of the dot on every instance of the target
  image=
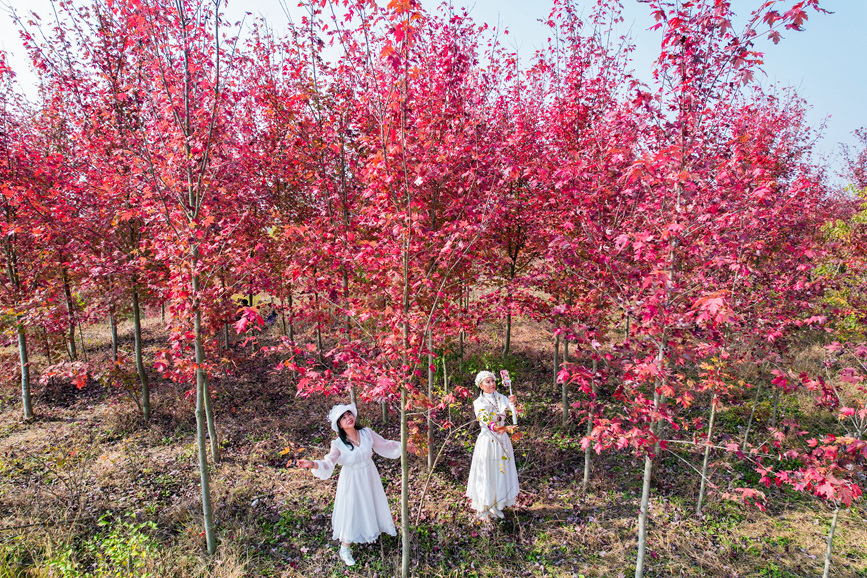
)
(825, 62)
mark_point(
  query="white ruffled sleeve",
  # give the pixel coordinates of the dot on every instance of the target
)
(386, 448)
(325, 467)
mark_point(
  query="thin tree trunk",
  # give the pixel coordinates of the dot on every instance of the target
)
(26, 402)
(83, 347)
(648, 472)
(202, 422)
(642, 517)
(70, 314)
(776, 407)
(707, 449)
(590, 416)
(829, 548)
(430, 379)
(139, 356)
(112, 320)
(446, 383)
(24, 357)
(564, 392)
(204, 473)
(212, 427)
(47, 346)
(404, 485)
(404, 430)
(162, 313)
(507, 343)
(225, 323)
(290, 333)
(645, 500)
(461, 351)
(319, 347)
(750, 421)
(461, 333)
(556, 359)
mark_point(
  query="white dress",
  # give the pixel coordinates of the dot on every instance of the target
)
(361, 511)
(493, 482)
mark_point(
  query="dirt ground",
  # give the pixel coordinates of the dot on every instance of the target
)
(89, 489)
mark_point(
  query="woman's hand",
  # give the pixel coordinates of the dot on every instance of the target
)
(499, 429)
(307, 464)
(513, 399)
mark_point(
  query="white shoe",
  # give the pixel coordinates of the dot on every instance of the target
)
(497, 512)
(483, 515)
(346, 556)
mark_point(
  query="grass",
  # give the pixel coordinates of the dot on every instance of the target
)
(87, 489)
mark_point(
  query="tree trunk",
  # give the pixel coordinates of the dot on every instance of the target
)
(645, 499)
(461, 333)
(829, 548)
(750, 421)
(430, 423)
(319, 348)
(507, 343)
(707, 449)
(204, 473)
(564, 392)
(590, 415)
(404, 486)
(446, 383)
(139, 356)
(83, 347)
(112, 320)
(556, 359)
(26, 403)
(70, 314)
(776, 406)
(642, 516)
(47, 346)
(225, 329)
(290, 332)
(202, 421)
(212, 427)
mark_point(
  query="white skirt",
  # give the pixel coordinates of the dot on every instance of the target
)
(361, 511)
(493, 481)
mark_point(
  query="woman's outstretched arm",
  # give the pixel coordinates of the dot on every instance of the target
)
(323, 468)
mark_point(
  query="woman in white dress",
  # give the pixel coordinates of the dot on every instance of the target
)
(493, 482)
(361, 511)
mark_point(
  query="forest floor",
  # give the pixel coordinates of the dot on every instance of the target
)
(88, 489)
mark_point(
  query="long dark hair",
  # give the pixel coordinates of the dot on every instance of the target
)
(342, 433)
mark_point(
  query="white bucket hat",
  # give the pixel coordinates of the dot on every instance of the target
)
(337, 412)
(482, 376)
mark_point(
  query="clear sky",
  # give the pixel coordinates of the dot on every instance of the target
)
(826, 62)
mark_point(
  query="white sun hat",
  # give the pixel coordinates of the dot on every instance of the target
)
(482, 376)
(337, 412)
